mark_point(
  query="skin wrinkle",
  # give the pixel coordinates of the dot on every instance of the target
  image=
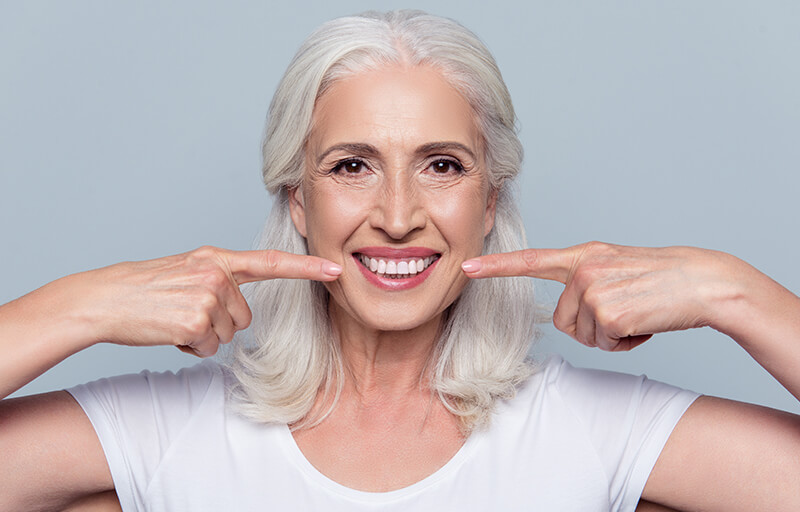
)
(397, 121)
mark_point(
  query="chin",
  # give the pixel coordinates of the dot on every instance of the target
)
(389, 316)
(398, 317)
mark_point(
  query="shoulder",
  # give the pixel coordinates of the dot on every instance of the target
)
(140, 418)
(189, 384)
(584, 389)
(595, 425)
(158, 402)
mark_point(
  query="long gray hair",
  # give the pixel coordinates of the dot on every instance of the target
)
(290, 353)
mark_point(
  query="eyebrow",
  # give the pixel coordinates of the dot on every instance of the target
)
(370, 150)
(350, 147)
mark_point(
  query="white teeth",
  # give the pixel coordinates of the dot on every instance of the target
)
(396, 268)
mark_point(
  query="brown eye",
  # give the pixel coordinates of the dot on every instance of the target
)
(349, 166)
(447, 167)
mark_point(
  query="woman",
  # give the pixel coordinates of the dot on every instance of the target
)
(402, 379)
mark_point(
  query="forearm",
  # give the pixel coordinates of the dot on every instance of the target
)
(764, 318)
(39, 330)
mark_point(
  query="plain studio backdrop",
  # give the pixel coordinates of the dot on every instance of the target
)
(130, 131)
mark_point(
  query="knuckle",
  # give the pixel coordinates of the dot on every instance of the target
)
(207, 302)
(604, 316)
(203, 252)
(310, 266)
(197, 325)
(593, 299)
(583, 277)
(214, 278)
(272, 261)
(207, 349)
(242, 320)
(530, 258)
(227, 337)
(561, 321)
(612, 323)
(604, 343)
(594, 246)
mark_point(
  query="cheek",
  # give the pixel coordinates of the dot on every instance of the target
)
(331, 219)
(460, 217)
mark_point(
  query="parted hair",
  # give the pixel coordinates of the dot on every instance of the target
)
(291, 353)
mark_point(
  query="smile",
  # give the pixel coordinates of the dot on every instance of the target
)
(396, 268)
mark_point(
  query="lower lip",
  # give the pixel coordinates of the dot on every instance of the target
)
(386, 283)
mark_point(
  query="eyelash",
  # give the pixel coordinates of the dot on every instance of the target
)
(341, 166)
(459, 169)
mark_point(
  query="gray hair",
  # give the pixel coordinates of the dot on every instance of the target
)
(290, 353)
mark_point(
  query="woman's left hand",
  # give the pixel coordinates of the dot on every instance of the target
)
(617, 297)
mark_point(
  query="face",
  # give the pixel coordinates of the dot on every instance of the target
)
(395, 190)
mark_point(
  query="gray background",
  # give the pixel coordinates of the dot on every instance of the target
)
(131, 131)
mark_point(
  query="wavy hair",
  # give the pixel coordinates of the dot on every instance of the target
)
(291, 353)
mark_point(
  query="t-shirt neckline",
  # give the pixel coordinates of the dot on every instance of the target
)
(318, 478)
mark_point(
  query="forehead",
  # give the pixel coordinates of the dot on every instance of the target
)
(393, 106)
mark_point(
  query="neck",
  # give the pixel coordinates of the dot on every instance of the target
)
(382, 365)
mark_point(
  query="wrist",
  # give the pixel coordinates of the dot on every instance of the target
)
(72, 310)
(72, 325)
(37, 331)
(745, 301)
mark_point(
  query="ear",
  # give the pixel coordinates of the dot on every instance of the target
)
(297, 209)
(491, 209)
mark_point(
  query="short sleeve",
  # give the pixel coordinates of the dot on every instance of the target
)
(137, 417)
(627, 419)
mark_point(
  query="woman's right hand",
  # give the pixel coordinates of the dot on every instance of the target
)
(190, 300)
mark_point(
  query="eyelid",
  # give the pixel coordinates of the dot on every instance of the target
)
(339, 163)
(460, 168)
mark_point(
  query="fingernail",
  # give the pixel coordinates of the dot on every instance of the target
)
(471, 266)
(332, 269)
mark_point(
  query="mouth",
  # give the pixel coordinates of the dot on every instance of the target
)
(396, 269)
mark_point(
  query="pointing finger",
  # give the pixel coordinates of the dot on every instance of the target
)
(553, 264)
(248, 266)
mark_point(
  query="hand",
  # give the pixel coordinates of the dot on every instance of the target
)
(617, 297)
(189, 300)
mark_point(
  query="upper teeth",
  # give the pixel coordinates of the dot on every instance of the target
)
(399, 267)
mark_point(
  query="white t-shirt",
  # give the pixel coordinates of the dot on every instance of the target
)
(572, 439)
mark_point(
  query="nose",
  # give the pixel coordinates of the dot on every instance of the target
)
(398, 210)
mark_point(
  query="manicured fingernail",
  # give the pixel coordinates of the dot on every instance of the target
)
(471, 266)
(332, 269)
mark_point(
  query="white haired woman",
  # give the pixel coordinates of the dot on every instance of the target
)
(381, 370)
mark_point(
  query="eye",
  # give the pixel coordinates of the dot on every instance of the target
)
(446, 166)
(349, 166)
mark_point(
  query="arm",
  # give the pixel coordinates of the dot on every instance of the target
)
(51, 454)
(189, 300)
(722, 455)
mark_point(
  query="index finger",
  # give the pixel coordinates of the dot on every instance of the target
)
(249, 266)
(552, 264)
